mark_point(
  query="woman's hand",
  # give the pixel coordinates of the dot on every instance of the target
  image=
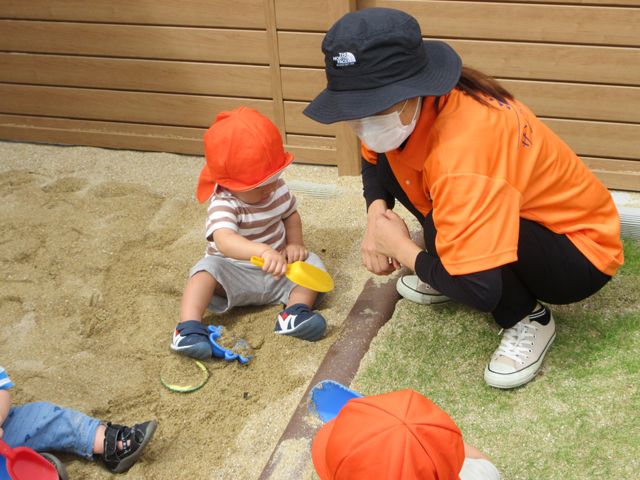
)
(274, 263)
(375, 261)
(391, 238)
(295, 252)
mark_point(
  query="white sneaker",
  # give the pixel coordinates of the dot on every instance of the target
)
(519, 357)
(415, 290)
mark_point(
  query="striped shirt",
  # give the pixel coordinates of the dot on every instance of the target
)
(5, 382)
(257, 223)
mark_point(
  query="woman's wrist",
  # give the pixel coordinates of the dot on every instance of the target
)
(408, 253)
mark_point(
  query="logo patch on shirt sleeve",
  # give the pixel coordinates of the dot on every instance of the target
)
(344, 59)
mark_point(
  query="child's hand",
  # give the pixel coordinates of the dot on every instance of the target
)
(274, 263)
(295, 252)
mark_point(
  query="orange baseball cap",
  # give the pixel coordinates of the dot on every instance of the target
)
(243, 150)
(395, 436)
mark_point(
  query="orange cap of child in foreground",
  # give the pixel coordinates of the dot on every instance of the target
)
(243, 150)
(395, 436)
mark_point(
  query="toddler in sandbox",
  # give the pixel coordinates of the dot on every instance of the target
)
(251, 213)
(44, 427)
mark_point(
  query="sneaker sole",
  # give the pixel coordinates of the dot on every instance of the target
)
(312, 330)
(418, 297)
(512, 380)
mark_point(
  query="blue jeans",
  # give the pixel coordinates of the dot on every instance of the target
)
(44, 427)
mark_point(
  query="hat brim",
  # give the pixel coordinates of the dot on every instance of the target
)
(439, 77)
(207, 184)
(319, 450)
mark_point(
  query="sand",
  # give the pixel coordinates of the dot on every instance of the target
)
(95, 248)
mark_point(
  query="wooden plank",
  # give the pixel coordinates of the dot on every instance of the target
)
(132, 74)
(316, 156)
(619, 180)
(529, 61)
(310, 15)
(303, 15)
(102, 134)
(300, 49)
(615, 174)
(575, 24)
(302, 84)
(534, 61)
(311, 141)
(120, 106)
(578, 101)
(135, 41)
(298, 123)
(205, 13)
(611, 165)
(598, 139)
(103, 127)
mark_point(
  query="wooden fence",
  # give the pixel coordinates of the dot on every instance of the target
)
(153, 74)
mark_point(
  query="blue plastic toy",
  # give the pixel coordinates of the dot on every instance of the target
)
(327, 398)
(218, 351)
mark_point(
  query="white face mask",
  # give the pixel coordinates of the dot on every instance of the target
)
(383, 133)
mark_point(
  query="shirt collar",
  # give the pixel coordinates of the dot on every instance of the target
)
(413, 154)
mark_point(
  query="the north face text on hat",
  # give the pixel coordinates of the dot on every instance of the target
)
(344, 59)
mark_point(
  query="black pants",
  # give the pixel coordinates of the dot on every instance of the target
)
(549, 267)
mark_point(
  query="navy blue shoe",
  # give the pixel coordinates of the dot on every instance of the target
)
(191, 338)
(300, 322)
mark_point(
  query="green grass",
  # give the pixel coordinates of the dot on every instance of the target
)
(579, 419)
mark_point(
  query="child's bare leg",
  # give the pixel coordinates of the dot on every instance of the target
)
(191, 337)
(98, 442)
(197, 296)
(302, 294)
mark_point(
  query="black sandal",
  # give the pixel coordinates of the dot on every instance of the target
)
(120, 460)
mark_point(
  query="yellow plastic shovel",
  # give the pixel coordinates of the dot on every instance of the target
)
(305, 275)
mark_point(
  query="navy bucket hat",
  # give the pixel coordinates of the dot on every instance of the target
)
(376, 58)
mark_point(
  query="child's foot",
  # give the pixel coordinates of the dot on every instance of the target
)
(299, 321)
(191, 338)
(55, 461)
(133, 441)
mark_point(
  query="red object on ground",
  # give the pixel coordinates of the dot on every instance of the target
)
(25, 464)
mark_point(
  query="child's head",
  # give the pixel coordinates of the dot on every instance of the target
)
(395, 436)
(244, 151)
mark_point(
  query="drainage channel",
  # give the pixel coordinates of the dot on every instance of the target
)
(291, 458)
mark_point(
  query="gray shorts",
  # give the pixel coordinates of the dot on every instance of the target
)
(247, 284)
